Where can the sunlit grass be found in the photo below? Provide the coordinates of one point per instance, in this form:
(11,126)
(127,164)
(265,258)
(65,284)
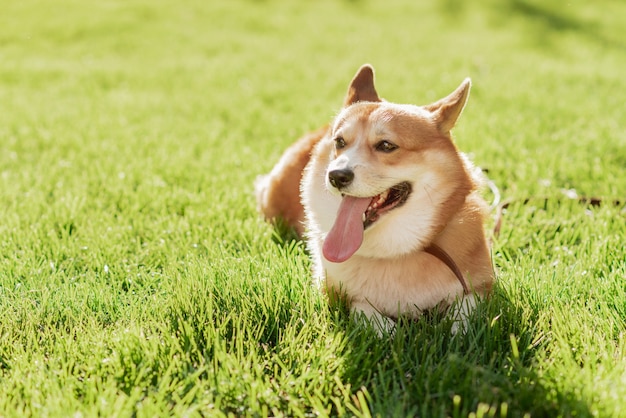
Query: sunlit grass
(137,280)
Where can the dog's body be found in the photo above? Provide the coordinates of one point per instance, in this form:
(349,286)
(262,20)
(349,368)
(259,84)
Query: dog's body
(383,185)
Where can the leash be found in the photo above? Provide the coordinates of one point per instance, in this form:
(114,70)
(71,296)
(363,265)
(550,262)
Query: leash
(583,200)
(438,252)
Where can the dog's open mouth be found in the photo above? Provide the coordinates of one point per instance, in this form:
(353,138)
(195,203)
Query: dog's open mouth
(355,214)
(387,200)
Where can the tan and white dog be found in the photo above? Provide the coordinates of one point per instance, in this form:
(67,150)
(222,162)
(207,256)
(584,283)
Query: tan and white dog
(389,207)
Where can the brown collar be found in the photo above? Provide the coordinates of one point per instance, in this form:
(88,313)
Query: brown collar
(438,252)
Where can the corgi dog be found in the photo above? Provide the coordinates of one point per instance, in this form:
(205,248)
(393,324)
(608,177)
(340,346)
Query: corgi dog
(389,207)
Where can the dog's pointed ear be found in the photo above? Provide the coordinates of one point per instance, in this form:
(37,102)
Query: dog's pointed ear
(362,87)
(447,110)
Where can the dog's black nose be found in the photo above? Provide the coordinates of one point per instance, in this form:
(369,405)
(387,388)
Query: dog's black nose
(340,178)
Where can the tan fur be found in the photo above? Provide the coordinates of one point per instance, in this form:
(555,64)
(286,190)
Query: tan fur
(278,193)
(390,274)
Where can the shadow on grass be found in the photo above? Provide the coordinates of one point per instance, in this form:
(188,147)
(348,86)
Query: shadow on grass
(548,18)
(284,234)
(553,19)
(422,370)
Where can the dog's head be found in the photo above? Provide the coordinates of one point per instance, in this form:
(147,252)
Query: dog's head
(396,169)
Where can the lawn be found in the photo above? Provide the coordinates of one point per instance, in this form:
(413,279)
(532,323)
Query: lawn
(136,278)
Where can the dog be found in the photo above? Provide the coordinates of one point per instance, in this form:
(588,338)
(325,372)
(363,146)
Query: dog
(390,209)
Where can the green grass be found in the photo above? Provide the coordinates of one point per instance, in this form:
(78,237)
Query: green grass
(137,280)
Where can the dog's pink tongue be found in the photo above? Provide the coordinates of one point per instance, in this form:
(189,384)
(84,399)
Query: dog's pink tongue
(346,235)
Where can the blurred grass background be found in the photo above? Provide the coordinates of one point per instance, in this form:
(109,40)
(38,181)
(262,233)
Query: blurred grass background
(137,280)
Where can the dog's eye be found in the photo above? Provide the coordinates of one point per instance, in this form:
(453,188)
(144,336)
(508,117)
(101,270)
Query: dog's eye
(386,146)
(340,142)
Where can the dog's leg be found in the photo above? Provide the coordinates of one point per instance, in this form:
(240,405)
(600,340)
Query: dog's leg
(364,311)
(460,312)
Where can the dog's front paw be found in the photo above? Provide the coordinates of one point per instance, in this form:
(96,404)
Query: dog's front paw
(460,311)
(366,314)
